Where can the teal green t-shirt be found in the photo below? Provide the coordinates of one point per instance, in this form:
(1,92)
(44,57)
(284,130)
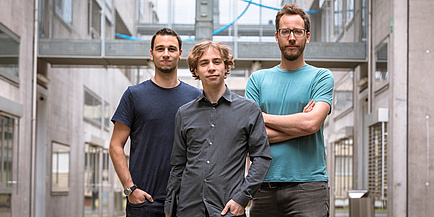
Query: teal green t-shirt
(281,92)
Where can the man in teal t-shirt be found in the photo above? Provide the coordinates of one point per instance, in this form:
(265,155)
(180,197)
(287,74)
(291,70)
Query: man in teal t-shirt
(295,99)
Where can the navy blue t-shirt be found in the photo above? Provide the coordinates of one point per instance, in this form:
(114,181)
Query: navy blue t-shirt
(149,111)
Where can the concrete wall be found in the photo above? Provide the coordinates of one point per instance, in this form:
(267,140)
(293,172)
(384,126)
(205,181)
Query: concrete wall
(17,16)
(420,90)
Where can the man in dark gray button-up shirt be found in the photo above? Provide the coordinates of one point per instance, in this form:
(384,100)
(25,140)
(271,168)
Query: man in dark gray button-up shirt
(213,135)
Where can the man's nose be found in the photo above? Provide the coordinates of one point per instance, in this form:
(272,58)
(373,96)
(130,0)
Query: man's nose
(166,52)
(211,67)
(291,36)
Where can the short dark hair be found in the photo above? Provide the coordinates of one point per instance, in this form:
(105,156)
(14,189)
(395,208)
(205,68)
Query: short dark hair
(293,9)
(166,31)
(200,48)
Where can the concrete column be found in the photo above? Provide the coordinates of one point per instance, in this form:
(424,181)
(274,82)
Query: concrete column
(398,128)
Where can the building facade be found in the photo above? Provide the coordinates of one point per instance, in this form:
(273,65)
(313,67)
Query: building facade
(55,114)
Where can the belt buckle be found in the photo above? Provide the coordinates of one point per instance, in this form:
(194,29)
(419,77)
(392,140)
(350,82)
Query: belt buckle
(271,186)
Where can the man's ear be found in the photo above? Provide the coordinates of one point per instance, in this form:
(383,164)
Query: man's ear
(276,37)
(195,73)
(151,55)
(307,38)
(180,54)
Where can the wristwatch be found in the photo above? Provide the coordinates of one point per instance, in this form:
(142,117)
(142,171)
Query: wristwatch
(128,191)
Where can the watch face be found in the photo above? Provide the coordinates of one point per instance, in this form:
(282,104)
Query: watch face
(127,191)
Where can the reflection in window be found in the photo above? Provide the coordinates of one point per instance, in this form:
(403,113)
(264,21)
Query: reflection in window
(92,182)
(9,55)
(6,161)
(63,9)
(338,29)
(92,108)
(95,20)
(350,11)
(60,168)
(343,94)
(106,114)
(381,75)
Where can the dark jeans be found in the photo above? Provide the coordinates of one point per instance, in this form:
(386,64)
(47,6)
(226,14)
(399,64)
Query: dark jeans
(291,199)
(145,209)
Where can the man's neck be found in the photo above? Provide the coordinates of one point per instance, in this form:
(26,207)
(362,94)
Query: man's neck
(166,80)
(292,65)
(213,94)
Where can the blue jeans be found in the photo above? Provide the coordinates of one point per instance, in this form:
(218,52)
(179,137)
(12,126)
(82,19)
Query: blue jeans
(304,199)
(145,209)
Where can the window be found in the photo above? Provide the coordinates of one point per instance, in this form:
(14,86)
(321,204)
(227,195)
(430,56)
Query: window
(343,94)
(350,11)
(377,164)
(338,18)
(92,108)
(95,20)
(106,115)
(343,171)
(63,9)
(6,163)
(60,168)
(105,181)
(381,75)
(9,55)
(92,180)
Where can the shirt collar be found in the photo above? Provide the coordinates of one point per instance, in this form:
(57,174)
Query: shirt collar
(227,95)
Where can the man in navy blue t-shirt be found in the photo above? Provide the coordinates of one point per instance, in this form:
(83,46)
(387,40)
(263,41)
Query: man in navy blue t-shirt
(146,114)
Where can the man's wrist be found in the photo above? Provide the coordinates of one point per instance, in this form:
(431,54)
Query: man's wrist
(129,190)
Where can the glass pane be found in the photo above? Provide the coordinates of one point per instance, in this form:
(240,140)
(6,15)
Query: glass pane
(106,114)
(92,182)
(9,55)
(64,10)
(6,151)
(343,95)
(5,205)
(60,168)
(381,72)
(92,108)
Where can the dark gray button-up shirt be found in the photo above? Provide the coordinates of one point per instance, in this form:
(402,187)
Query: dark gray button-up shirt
(209,154)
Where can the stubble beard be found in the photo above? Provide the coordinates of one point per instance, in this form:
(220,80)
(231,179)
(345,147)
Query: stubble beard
(289,55)
(166,70)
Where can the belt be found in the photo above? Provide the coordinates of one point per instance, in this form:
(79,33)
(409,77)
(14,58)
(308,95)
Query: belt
(278,184)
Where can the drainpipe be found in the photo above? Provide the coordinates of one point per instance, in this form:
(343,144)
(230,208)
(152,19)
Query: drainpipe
(33,121)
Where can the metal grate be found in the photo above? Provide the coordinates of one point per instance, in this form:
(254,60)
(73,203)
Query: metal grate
(343,167)
(377,174)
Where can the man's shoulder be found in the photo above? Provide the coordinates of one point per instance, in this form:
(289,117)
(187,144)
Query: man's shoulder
(189,87)
(318,70)
(249,103)
(262,72)
(140,86)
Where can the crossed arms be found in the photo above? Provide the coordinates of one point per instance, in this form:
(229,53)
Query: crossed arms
(284,127)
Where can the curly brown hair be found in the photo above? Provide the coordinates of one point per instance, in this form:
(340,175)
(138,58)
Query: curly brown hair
(293,9)
(200,48)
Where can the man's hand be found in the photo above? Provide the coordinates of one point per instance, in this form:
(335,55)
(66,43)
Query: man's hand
(167,214)
(309,106)
(139,196)
(233,207)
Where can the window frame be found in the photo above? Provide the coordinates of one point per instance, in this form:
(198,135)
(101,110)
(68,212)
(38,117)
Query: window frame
(60,190)
(15,38)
